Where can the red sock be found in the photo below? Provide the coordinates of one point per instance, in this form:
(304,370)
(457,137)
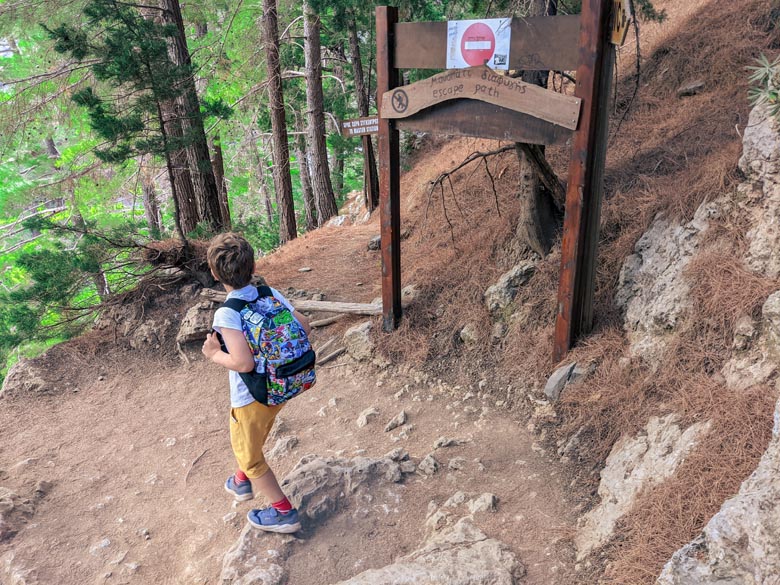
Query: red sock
(241,476)
(282,506)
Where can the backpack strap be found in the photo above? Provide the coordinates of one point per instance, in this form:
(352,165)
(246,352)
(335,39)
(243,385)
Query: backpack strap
(238,304)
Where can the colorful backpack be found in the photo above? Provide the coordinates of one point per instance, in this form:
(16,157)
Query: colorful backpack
(284,358)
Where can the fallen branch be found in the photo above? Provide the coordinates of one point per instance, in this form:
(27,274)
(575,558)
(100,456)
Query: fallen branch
(326,346)
(314,306)
(192,465)
(331,356)
(326,321)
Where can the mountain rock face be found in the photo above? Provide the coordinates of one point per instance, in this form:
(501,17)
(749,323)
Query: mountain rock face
(741,543)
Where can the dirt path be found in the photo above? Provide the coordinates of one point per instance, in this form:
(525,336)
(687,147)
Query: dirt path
(136,461)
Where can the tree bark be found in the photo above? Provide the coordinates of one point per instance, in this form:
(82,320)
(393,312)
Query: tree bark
(538,222)
(151,205)
(188,110)
(280,147)
(308,195)
(218,164)
(182,188)
(370,176)
(322,187)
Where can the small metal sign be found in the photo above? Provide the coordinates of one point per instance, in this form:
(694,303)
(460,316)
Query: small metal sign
(471,43)
(360,126)
(621,18)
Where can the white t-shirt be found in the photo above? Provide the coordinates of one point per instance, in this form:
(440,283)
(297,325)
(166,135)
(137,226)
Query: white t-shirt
(230,319)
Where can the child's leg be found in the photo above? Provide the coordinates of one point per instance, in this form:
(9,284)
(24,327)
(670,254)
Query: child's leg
(269,487)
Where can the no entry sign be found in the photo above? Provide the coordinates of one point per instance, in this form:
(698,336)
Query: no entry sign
(478,42)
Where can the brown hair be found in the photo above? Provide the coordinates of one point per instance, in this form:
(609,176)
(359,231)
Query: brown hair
(231,259)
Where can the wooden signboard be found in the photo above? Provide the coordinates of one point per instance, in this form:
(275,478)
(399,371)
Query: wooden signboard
(479,102)
(483,84)
(360,126)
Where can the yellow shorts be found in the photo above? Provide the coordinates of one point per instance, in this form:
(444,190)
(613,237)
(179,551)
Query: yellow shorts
(249,428)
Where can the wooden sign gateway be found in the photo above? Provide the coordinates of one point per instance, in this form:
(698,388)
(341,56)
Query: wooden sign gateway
(483,84)
(480,102)
(360,126)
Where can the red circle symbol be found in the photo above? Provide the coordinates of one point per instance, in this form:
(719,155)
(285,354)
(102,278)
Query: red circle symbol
(477,44)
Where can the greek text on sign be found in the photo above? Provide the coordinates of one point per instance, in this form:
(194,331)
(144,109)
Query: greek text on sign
(471,43)
(360,126)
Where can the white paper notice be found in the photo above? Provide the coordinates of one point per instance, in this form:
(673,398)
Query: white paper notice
(478,42)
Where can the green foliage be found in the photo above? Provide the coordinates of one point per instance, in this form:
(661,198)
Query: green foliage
(130,55)
(649,12)
(765,84)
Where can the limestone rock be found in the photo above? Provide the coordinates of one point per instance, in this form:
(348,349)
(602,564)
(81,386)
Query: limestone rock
(690,88)
(761,164)
(251,560)
(461,554)
(499,295)
(447,442)
(741,543)
(24,378)
(397,421)
(365,416)
(634,464)
(375,243)
(14,513)
(469,333)
(317,486)
(358,342)
(558,381)
(13,574)
(283,446)
(196,323)
(484,503)
(652,289)
(763,360)
(149,334)
(429,465)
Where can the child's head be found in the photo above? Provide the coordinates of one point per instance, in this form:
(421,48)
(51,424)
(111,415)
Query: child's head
(231,259)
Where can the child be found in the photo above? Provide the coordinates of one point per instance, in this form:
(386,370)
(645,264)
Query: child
(232,262)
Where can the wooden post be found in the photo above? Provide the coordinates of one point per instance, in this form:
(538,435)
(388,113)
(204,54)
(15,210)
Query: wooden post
(389,171)
(586,173)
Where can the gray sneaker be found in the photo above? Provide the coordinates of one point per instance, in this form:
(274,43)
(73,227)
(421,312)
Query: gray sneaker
(242,490)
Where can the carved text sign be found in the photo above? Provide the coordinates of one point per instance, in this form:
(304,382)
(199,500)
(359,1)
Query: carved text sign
(483,84)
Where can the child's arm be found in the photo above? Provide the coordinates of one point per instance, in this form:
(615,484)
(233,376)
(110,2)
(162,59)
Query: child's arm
(303,321)
(240,358)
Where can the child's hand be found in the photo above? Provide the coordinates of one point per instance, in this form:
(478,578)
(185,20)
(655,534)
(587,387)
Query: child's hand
(211,345)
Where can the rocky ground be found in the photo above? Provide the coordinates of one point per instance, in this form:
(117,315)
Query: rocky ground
(116,478)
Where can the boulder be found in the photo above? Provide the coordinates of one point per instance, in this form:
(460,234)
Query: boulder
(739,545)
(635,463)
(283,446)
(562,377)
(397,421)
(15,512)
(375,243)
(499,295)
(196,323)
(358,342)
(24,378)
(469,333)
(461,554)
(318,487)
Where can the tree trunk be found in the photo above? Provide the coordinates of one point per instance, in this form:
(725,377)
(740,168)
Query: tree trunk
(538,222)
(182,188)
(218,164)
(370,176)
(151,205)
(281,152)
(188,109)
(308,195)
(261,170)
(320,172)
